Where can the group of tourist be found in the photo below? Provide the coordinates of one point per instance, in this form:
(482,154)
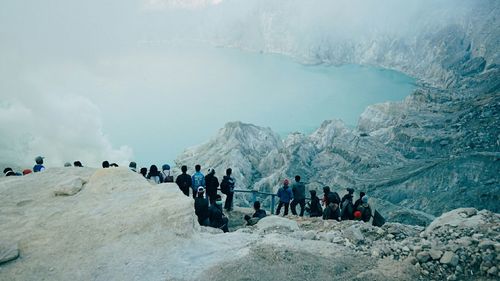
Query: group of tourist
(208,202)
(334,207)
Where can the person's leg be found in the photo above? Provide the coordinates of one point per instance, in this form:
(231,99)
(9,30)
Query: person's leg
(225,227)
(286,209)
(186,191)
(229,201)
(194,193)
(280,204)
(302,207)
(293,206)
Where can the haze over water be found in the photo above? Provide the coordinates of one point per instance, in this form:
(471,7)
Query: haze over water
(182,95)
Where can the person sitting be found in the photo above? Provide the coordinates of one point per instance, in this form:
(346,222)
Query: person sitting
(314,207)
(39,165)
(331,211)
(105,164)
(201,208)
(8,172)
(154,175)
(77,164)
(365,209)
(216,216)
(259,214)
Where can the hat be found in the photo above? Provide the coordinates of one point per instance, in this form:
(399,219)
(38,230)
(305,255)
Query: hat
(286,182)
(211,170)
(132,165)
(39,159)
(365,199)
(201,189)
(165,167)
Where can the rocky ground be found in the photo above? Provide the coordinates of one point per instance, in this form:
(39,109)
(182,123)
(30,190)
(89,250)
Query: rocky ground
(111,224)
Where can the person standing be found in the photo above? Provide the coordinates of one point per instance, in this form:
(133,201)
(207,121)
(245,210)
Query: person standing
(154,175)
(198,179)
(184,181)
(212,183)
(39,165)
(227,187)
(299,196)
(285,195)
(166,173)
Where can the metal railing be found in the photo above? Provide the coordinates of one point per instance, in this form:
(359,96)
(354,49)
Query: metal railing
(255,193)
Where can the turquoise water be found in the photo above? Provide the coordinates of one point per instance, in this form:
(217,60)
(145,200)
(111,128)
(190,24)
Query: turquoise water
(181,97)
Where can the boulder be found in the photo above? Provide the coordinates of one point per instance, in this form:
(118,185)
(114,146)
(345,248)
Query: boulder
(435,254)
(69,187)
(423,257)
(353,234)
(8,251)
(449,258)
(271,223)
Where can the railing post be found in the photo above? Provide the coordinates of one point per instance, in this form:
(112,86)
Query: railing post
(254,196)
(272,204)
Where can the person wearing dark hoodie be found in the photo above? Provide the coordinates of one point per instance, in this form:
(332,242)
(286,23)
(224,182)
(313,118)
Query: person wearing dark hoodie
(39,165)
(184,181)
(326,192)
(212,183)
(285,195)
(201,207)
(332,211)
(299,196)
(8,172)
(216,216)
(365,209)
(154,175)
(347,206)
(227,187)
(315,209)
(259,214)
(144,171)
(359,201)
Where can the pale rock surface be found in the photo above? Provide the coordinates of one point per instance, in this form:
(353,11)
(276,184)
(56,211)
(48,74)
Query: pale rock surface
(8,251)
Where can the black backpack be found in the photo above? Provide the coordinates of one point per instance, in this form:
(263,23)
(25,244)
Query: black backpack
(347,210)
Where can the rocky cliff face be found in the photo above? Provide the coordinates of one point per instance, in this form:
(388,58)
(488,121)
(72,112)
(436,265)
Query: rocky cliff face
(437,150)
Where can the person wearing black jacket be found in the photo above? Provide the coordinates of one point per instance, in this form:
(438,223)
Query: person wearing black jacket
(212,183)
(227,187)
(359,201)
(201,207)
(315,209)
(216,216)
(184,181)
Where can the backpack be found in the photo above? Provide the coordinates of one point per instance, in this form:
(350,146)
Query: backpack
(225,186)
(365,212)
(168,179)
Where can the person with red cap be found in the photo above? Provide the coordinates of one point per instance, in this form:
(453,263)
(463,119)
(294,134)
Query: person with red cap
(285,195)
